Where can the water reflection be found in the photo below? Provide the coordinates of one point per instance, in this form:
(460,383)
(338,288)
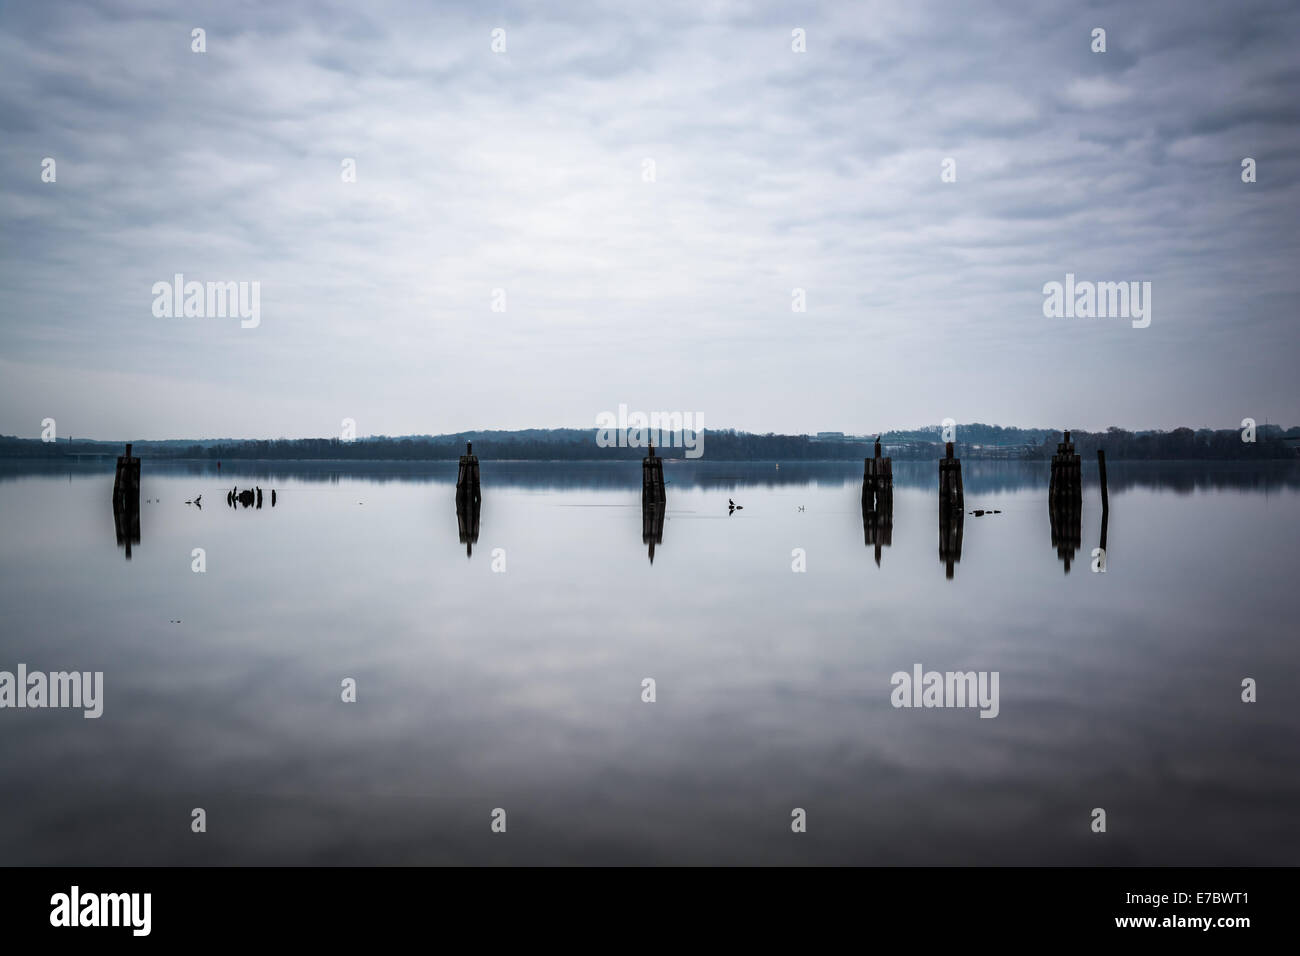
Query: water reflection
(126,521)
(248,498)
(1067,530)
(468,508)
(652,524)
(520,689)
(878,529)
(979,476)
(951,525)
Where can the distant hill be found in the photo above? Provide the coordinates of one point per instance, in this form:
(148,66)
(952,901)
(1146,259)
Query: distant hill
(579,444)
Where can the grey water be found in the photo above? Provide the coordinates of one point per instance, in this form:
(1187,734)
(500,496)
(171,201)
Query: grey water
(507,672)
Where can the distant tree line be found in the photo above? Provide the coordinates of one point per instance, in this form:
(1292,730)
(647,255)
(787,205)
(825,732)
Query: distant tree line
(1181,443)
(573,444)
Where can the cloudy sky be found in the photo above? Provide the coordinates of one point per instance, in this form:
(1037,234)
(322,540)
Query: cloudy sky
(525,171)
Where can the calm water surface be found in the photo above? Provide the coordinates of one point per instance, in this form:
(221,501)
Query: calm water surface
(522,689)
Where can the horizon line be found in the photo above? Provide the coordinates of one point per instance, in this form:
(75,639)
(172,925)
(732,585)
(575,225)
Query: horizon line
(845,436)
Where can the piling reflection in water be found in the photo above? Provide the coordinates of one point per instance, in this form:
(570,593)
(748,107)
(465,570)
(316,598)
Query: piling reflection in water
(126,519)
(248,498)
(652,524)
(951,526)
(467,515)
(1067,533)
(878,529)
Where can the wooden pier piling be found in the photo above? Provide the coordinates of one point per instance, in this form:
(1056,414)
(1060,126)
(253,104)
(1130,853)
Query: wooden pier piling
(126,501)
(877,481)
(1066,483)
(126,482)
(1101,477)
(951,492)
(952,510)
(467,483)
(652,478)
(1065,501)
(878,501)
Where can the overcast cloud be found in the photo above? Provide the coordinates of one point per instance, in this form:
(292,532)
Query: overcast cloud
(523,171)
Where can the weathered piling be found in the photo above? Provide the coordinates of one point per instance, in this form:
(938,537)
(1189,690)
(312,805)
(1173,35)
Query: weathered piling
(1065,501)
(467,483)
(1066,483)
(126,501)
(1101,477)
(877,481)
(952,509)
(652,478)
(877,501)
(652,524)
(951,492)
(126,482)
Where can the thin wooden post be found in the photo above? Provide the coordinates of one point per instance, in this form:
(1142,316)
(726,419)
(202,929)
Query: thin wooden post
(1105,496)
(126,500)
(1101,472)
